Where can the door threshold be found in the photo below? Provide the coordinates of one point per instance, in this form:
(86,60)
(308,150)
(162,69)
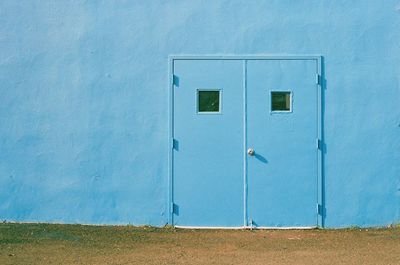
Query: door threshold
(247,227)
(284,227)
(211,227)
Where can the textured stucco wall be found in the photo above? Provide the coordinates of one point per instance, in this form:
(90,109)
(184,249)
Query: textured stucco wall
(84,100)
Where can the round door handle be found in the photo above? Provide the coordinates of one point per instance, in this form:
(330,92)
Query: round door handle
(250,151)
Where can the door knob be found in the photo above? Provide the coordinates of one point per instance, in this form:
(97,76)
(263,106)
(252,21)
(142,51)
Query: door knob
(250,151)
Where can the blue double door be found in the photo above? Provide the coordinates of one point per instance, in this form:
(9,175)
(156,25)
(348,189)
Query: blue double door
(245,135)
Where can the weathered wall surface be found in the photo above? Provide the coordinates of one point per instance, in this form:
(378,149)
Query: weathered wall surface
(84,100)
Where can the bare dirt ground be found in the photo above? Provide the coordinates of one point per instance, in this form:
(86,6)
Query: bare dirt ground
(77,244)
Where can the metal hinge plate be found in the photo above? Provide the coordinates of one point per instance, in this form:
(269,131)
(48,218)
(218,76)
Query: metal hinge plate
(175,144)
(318,144)
(319,209)
(318,79)
(175,209)
(175,80)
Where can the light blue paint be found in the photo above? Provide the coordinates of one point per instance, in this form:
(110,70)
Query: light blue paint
(85,87)
(281,180)
(208,164)
(283,173)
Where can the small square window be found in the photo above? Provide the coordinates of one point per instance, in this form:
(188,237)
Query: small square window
(281,101)
(208,100)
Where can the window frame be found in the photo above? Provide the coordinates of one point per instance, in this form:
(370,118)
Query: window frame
(281,111)
(198,101)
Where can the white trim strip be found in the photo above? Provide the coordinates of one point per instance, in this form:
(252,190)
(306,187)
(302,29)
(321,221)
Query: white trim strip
(245,57)
(247,227)
(286,228)
(211,227)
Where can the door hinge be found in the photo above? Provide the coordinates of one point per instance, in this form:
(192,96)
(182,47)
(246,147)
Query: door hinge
(175,209)
(319,209)
(318,144)
(318,79)
(175,144)
(175,80)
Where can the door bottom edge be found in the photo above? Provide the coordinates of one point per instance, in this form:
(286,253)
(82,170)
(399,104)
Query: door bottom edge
(248,227)
(210,227)
(285,227)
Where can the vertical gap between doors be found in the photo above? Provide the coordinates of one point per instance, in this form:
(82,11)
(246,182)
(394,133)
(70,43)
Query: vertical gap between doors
(245,210)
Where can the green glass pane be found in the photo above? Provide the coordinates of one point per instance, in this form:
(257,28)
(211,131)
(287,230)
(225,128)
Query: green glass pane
(208,101)
(280,101)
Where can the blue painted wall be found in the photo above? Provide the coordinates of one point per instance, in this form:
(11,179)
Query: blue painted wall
(84,100)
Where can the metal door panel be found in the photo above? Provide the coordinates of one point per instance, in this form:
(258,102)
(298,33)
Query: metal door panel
(282,175)
(208,156)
